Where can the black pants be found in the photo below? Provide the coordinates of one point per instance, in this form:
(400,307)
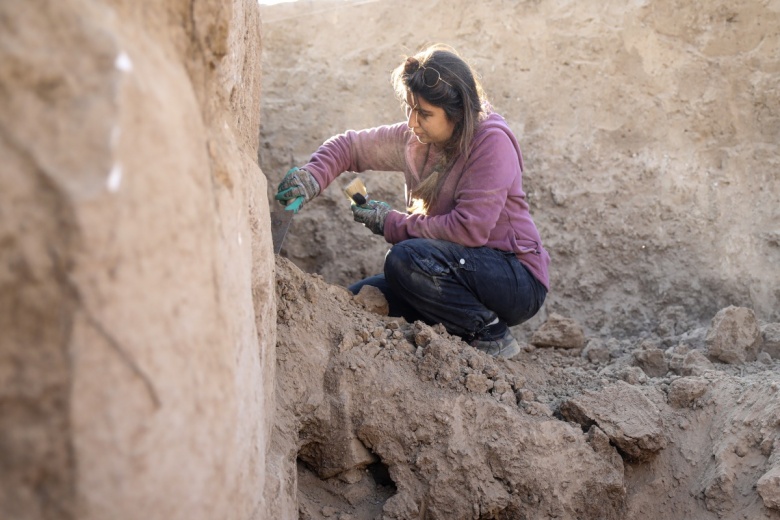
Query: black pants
(463,288)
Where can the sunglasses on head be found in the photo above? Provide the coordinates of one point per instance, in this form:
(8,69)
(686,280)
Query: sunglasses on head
(430,76)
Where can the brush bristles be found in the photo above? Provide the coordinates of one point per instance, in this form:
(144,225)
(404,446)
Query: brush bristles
(356,191)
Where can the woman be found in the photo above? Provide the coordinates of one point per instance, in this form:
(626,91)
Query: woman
(466,252)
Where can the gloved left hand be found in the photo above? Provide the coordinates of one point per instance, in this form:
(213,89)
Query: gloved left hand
(297,188)
(372,214)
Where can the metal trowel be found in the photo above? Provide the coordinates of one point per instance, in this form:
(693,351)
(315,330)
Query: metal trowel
(280,222)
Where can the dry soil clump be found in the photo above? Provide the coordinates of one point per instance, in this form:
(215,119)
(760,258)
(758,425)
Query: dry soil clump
(397,420)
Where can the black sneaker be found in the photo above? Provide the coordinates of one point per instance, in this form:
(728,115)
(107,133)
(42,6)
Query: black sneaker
(502,347)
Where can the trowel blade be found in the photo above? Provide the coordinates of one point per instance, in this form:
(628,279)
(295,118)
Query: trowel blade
(280,223)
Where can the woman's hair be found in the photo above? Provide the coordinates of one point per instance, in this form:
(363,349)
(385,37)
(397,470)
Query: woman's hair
(453,86)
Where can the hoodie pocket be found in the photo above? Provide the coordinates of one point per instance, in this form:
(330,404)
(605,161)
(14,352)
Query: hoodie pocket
(524,246)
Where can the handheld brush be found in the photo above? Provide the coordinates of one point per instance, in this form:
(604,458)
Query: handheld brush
(356,191)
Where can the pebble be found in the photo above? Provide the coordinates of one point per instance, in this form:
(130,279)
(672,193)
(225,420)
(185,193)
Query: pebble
(526,395)
(741,450)
(476,363)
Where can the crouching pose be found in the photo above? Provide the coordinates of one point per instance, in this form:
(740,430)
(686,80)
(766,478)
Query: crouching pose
(465,252)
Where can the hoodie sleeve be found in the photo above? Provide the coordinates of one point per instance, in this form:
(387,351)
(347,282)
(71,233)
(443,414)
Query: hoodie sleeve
(380,148)
(478,200)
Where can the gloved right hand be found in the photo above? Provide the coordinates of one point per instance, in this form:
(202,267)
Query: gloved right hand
(372,214)
(297,188)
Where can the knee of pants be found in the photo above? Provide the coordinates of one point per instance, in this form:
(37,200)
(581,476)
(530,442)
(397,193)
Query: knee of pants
(398,264)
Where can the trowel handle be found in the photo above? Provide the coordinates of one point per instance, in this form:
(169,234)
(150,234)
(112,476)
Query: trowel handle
(295,205)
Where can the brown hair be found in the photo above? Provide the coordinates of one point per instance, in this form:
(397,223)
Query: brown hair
(459,93)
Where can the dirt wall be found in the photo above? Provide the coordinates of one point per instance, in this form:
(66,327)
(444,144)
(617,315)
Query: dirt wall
(649,129)
(136,281)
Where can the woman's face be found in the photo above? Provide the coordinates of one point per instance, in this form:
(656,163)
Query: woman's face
(429,123)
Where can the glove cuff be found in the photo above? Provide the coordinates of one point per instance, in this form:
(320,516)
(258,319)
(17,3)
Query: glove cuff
(310,184)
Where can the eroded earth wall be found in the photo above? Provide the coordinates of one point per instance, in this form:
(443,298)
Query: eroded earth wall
(137,315)
(649,129)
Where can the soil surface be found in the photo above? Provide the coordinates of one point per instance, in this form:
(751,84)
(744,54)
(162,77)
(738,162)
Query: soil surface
(400,420)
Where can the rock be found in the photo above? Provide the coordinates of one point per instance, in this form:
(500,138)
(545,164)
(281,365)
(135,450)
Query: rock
(768,488)
(600,443)
(684,391)
(596,352)
(616,348)
(765,358)
(676,357)
(686,362)
(507,398)
(353,455)
(538,409)
(770,334)
(630,420)
(373,300)
(651,361)
(694,338)
(501,387)
(400,506)
(352,476)
(477,383)
(440,361)
(423,334)
(632,375)
(525,395)
(695,363)
(734,336)
(559,331)
(477,363)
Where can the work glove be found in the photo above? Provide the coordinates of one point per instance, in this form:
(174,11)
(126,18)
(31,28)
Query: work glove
(297,188)
(372,214)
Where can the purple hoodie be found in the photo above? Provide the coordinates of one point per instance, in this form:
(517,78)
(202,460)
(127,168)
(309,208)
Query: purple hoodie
(481,203)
